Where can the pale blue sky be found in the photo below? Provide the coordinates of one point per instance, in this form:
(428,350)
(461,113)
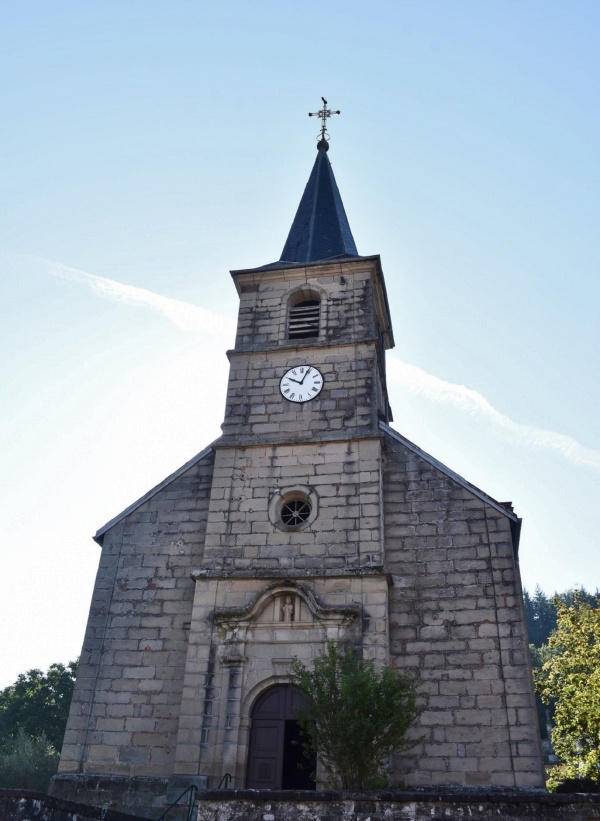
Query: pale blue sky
(160,144)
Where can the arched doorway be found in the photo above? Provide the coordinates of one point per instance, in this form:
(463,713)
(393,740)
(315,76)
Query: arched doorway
(276,759)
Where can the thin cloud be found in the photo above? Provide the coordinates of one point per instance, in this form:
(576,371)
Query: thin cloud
(473,403)
(191,318)
(187,317)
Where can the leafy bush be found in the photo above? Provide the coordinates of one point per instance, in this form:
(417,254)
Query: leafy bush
(27,762)
(354,717)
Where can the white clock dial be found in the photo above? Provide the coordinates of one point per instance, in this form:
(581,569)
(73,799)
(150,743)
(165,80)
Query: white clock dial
(301,384)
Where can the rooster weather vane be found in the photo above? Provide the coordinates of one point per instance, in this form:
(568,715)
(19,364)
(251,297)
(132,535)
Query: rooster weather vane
(324,114)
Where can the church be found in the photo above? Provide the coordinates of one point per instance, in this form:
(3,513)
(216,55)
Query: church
(310,518)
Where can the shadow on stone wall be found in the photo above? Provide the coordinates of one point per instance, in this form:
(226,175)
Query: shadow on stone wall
(22,805)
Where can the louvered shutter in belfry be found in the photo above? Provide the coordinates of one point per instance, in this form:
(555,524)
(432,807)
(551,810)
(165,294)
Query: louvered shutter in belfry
(303,320)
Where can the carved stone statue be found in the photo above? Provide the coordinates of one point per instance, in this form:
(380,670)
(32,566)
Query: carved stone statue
(287,610)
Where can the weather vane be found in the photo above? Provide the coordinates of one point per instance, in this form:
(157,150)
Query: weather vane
(324,114)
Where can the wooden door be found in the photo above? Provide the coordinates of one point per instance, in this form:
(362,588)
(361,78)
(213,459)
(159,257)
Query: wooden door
(275,758)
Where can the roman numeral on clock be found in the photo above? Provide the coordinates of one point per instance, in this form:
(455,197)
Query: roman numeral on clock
(301,383)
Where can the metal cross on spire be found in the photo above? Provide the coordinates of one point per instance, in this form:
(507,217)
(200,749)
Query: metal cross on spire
(324,114)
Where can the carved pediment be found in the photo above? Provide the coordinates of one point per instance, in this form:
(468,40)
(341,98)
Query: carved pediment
(285,605)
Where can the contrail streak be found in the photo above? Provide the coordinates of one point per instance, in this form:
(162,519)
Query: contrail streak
(471,402)
(184,315)
(192,318)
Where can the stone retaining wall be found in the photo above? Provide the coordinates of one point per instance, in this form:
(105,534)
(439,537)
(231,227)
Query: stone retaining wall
(23,805)
(142,796)
(251,805)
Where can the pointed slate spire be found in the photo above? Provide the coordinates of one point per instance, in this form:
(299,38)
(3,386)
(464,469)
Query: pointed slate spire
(320,229)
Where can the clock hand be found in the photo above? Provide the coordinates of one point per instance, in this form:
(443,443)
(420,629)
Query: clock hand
(299,381)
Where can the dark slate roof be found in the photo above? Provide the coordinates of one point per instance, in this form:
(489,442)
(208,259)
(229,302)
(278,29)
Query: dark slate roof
(320,230)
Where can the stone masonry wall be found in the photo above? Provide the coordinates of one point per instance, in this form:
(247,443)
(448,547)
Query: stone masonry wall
(125,709)
(456,620)
(25,805)
(347,308)
(345,478)
(346,406)
(239,646)
(247,553)
(250,805)
(347,352)
(398,555)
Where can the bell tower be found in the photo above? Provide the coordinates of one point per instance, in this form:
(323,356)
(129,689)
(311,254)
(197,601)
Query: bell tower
(320,307)
(296,505)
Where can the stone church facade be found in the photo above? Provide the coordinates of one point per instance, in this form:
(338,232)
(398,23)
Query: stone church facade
(309,519)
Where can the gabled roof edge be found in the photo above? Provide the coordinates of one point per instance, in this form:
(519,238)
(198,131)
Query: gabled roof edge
(450,473)
(98,536)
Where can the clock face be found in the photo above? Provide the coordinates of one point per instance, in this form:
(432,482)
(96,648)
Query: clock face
(301,384)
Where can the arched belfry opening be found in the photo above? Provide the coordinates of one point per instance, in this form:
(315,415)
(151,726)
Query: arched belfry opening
(304,315)
(276,757)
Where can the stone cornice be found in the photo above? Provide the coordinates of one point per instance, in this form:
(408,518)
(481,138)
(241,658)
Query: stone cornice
(290,574)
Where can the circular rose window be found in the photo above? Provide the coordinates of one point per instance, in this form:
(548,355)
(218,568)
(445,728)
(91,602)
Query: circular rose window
(295,513)
(293,508)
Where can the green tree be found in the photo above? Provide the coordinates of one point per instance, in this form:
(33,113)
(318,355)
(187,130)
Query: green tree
(570,679)
(541,610)
(579,593)
(539,656)
(540,613)
(27,762)
(354,717)
(38,703)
